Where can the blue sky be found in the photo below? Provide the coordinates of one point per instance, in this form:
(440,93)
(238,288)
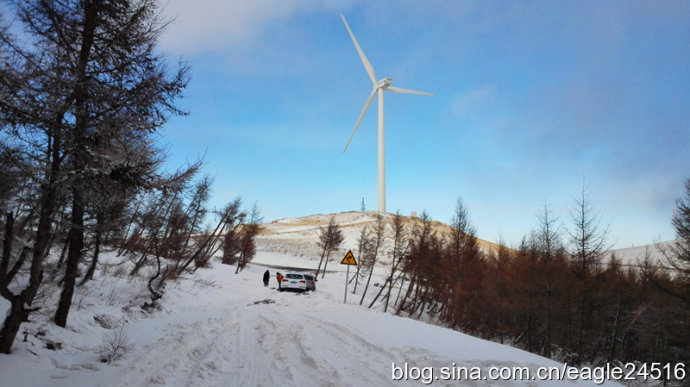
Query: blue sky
(531,100)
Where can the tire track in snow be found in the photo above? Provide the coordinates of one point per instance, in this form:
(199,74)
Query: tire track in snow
(357,361)
(274,350)
(179,357)
(256,349)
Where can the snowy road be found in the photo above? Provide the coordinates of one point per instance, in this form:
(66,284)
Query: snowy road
(261,337)
(222,329)
(260,345)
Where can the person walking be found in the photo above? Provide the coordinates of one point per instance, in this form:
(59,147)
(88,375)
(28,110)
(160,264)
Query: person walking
(279,277)
(267,276)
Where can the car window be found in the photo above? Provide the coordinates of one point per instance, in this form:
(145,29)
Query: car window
(295,276)
(309,277)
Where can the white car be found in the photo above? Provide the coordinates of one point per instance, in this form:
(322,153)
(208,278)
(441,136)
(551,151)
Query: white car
(294,281)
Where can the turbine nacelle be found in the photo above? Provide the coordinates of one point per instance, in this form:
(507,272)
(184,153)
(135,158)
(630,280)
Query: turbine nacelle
(384,83)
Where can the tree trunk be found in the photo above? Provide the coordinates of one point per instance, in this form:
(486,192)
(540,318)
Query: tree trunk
(401,306)
(63,252)
(390,285)
(76,232)
(155,294)
(328,257)
(18,313)
(547,339)
(356,277)
(74,256)
(6,250)
(402,284)
(318,269)
(366,287)
(614,333)
(96,249)
(10,327)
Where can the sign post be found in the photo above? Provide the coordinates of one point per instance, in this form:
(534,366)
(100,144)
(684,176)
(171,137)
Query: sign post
(348,260)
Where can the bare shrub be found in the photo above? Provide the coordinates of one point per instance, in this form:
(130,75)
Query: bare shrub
(114,346)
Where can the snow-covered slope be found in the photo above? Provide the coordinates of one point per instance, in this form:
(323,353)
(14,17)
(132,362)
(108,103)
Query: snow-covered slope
(634,256)
(299,236)
(220,329)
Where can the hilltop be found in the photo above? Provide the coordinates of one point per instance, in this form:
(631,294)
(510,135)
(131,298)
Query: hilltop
(299,236)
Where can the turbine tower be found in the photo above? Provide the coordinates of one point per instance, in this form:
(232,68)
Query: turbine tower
(379,87)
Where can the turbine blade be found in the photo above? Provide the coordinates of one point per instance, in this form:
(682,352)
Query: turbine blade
(406,91)
(365,61)
(361,115)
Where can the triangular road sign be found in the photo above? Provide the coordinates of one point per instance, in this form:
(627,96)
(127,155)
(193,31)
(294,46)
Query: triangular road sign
(349,259)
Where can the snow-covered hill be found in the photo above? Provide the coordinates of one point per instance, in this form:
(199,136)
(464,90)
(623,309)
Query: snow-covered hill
(635,256)
(299,236)
(216,328)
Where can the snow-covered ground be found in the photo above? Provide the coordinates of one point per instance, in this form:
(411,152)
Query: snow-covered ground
(216,328)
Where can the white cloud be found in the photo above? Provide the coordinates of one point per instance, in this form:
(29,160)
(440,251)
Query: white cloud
(215,25)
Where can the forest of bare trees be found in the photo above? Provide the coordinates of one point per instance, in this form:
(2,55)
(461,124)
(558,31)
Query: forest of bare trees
(556,294)
(83,94)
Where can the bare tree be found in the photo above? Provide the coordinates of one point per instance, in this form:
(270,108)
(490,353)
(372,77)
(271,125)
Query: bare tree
(461,272)
(398,251)
(677,253)
(549,245)
(681,247)
(232,241)
(417,264)
(379,234)
(231,216)
(248,233)
(400,248)
(116,97)
(329,240)
(503,259)
(363,243)
(588,241)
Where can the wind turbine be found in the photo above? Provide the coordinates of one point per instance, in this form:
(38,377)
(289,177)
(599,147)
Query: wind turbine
(379,87)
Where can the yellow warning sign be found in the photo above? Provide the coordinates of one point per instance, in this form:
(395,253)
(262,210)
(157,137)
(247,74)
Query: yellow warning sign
(349,259)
